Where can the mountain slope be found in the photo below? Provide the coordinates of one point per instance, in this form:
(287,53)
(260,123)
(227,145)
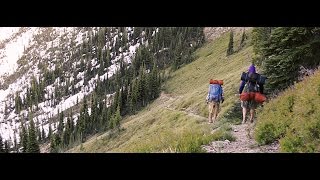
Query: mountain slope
(293,118)
(76,82)
(177,121)
(50,70)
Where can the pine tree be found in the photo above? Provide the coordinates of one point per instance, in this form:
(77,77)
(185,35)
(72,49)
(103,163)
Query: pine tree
(61,124)
(260,37)
(66,133)
(287,50)
(107,58)
(243,38)
(124,38)
(6,146)
(1,145)
(230,46)
(50,132)
(43,134)
(135,94)
(116,119)
(155,86)
(84,117)
(39,134)
(15,144)
(72,128)
(130,100)
(55,143)
(71,121)
(24,138)
(82,65)
(18,103)
(33,144)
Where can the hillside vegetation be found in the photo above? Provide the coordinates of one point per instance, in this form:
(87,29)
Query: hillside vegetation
(293,118)
(177,120)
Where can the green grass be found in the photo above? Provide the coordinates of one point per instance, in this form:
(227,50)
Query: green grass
(293,118)
(177,121)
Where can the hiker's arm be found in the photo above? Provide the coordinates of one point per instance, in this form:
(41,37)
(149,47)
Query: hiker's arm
(241,87)
(222,95)
(207,98)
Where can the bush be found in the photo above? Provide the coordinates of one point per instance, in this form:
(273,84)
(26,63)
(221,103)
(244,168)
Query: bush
(266,133)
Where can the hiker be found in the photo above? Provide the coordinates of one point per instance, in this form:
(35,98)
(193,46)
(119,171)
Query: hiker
(250,85)
(214,97)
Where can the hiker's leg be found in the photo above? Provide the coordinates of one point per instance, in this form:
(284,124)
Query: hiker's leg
(244,113)
(210,112)
(253,106)
(216,110)
(251,115)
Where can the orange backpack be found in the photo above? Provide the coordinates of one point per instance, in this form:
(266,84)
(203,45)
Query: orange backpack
(216,81)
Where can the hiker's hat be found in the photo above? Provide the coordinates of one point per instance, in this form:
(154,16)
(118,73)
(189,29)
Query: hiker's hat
(252,69)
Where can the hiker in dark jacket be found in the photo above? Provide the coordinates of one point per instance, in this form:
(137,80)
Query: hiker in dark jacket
(250,104)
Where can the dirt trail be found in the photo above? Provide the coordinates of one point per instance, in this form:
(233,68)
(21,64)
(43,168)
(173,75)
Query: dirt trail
(243,133)
(244,142)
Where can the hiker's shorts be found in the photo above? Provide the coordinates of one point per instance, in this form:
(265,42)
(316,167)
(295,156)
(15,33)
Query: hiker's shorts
(213,107)
(249,104)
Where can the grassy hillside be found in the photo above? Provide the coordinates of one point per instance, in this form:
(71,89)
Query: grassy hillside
(177,121)
(293,118)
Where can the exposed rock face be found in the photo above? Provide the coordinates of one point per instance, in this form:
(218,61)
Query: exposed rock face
(213,32)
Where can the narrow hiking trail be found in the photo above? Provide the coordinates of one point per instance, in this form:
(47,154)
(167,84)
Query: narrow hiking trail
(244,142)
(243,133)
(189,113)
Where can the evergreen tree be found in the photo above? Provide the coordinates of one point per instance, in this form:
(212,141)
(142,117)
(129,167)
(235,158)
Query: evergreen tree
(33,145)
(15,145)
(107,58)
(230,46)
(243,38)
(18,103)
(288,49)
(24,138)
(116,119)
(6,146)
(135,94)
(61,124)
(50,132)
(55,143)
(124,38)
(43,134)
(39,134)
(155,86)
(130,100)
(260,39)
(66,133)
(84,117)
(1,145)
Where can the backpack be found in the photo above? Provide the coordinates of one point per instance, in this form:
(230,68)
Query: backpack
(253,77)
(251,80)
(215,92)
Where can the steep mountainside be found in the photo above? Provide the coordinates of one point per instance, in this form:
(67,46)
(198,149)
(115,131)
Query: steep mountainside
(177,121)
(58,76)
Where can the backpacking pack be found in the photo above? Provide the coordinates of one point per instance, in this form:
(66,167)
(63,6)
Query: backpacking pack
(215,92)
(253,77)
(251,87)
